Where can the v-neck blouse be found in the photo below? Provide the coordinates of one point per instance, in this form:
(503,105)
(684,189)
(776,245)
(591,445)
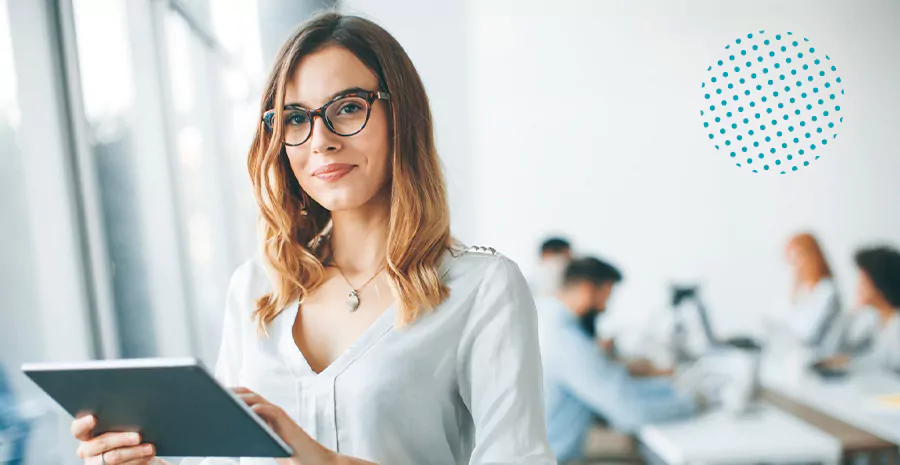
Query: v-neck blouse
(460,385)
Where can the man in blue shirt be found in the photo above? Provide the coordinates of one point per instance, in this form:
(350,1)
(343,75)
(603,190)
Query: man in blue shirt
(580,380)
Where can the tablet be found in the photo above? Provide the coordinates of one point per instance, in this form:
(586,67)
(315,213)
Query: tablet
(174,403)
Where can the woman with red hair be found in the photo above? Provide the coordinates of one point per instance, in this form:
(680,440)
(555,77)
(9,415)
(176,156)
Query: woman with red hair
(814,299)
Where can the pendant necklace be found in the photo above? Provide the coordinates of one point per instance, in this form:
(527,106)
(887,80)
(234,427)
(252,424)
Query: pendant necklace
(353,297)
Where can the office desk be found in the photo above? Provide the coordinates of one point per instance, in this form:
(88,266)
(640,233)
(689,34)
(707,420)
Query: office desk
(855,400)
(854,441)
(767,435)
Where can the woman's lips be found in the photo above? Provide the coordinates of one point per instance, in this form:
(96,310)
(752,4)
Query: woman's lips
(333,171)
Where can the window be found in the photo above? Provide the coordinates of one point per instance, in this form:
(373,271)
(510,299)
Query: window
(169,124)
(16,267)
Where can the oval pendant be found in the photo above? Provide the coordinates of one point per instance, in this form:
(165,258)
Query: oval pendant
(353,301)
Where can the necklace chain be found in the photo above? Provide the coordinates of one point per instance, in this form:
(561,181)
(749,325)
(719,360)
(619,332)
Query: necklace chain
(357,289)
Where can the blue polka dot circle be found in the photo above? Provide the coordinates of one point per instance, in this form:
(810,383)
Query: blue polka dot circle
(772,102)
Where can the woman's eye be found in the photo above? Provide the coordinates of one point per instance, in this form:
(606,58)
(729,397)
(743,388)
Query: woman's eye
(349,108)
(296,119)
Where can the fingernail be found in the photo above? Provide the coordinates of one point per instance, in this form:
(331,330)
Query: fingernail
(148,449)
(134,437)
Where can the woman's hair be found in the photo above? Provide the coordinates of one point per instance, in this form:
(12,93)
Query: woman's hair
(882,266)
(294,227)
(813,267)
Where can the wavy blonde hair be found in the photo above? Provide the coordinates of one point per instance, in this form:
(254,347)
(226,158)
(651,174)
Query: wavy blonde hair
(293,234)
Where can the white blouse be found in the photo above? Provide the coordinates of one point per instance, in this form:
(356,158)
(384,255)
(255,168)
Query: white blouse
(809,319)
(879,349)
(461,385)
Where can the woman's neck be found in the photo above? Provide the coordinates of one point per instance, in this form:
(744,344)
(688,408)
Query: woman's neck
(803,286)
(885,312)
(809,281)
(359,236)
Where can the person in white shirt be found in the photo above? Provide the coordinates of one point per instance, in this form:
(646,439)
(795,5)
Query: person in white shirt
(556,254)
(871,337)
(364,333)
(815,304)
(867,342)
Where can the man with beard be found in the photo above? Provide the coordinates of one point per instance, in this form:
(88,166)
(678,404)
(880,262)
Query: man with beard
(581,380)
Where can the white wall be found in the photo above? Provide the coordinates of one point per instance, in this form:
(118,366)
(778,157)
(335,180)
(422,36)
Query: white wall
(584,121)
(587,123)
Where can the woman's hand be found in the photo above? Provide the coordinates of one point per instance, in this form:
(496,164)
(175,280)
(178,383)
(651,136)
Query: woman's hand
(644,368)
(306,450)
(835,363)
(111,448)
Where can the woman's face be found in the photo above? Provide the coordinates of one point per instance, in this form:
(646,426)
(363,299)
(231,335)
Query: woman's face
(794,256)
(867,294)
(340,173)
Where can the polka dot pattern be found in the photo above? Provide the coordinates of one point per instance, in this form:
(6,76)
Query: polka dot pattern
(782,116)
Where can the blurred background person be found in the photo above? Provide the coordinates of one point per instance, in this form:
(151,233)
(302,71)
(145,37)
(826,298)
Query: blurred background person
(814,301)
(580,379)
(870,336)
(555,255)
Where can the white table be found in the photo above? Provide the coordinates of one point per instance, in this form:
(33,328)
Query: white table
(855,400)
(765,436)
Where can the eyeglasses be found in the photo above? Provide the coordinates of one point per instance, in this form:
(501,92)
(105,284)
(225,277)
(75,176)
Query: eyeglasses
(344,115)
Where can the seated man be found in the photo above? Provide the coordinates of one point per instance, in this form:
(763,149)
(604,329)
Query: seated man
(580,380)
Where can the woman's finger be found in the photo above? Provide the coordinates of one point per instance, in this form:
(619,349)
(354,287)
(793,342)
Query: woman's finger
(81,427)
(107,442)
(252,399)
(249,397)
(283,425)
(141,454)
(148,461)
(273,415)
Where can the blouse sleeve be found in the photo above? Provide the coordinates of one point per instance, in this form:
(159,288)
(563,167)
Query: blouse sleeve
(499,368)
(228,365)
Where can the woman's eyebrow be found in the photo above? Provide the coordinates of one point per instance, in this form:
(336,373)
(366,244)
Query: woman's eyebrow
(339,93)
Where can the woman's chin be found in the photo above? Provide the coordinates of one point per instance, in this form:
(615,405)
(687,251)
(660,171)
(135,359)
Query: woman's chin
(342,200)
(340,205)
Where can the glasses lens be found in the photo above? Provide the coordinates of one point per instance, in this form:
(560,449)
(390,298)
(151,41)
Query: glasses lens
(296,126)
(348,115)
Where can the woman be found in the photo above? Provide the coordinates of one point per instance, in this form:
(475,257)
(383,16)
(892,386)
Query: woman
(870,339)
(814,299)
(365,334)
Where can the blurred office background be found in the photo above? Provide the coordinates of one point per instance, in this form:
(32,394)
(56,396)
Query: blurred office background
(124,127)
